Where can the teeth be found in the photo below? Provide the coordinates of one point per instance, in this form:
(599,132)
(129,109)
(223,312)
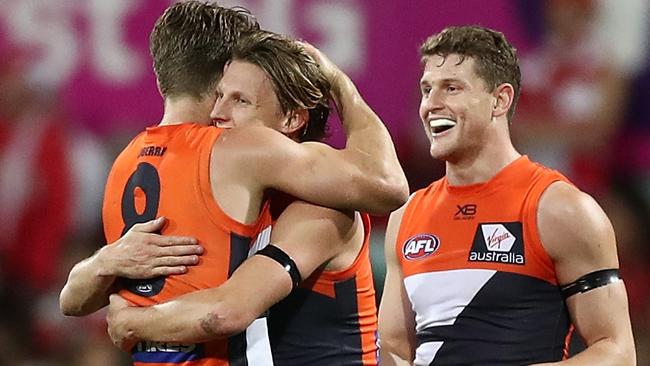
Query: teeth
(441,122)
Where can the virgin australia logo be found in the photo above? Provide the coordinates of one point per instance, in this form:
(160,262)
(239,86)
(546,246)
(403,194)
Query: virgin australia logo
(499,243)
(497,238)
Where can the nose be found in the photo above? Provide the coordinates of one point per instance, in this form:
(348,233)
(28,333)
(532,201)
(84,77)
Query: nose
(220,115)
(431,103)
(435,99)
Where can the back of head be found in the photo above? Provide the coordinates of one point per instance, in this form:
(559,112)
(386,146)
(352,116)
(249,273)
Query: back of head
(190,44)
(297,79)
(495,59)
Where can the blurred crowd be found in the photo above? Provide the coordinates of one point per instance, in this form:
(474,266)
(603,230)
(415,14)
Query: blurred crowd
(584,110)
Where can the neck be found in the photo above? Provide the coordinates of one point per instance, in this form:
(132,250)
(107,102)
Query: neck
(187,110)
(495,154)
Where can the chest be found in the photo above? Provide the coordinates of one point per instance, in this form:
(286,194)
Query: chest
(459,233)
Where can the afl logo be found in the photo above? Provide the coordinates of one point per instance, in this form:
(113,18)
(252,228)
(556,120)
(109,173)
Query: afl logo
(420,246)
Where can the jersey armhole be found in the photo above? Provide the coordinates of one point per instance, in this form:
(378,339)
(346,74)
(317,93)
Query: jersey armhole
(204,187)
(531,207)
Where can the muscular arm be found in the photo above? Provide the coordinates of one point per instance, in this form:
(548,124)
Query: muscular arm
(580,239)
(311,235)
(138,254)
(396,318)
(365,175)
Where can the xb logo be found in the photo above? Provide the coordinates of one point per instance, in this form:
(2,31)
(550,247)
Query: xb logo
(465,212)
(420,246)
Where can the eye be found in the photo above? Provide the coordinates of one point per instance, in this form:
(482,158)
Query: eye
(452,88)
(241,100)
(425,90)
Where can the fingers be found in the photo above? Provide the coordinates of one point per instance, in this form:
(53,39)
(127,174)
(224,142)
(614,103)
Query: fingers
(168,271)
(309,48)
(176,261)
(161,261)
(117,301)
(150,226)
(144,254)
(172,261)
(111,334)
(153,226)
(329,69)
(176,250)
(115,329)
(314,52)
(169,241)
(170,264)
(161,267)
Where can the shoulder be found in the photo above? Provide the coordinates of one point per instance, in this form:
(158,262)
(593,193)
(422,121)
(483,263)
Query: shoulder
(575,230)
(254,143)
(251,136)
(128,153)
(269,150)
(562,204)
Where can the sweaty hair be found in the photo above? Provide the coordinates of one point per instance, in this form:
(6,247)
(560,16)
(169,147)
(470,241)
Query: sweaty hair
(495,59)
(297,79)
(190,44)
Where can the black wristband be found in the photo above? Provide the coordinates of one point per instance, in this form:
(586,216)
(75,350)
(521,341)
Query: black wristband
(284,260)
(591,281)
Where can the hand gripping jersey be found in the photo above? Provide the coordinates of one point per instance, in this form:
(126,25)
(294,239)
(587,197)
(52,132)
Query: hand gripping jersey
(331,319)
(164,171)
(482,287)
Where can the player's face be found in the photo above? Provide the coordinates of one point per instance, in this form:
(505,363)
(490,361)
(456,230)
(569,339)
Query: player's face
(245,96)
(455,108)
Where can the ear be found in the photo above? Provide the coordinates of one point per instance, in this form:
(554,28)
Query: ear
(294,122)
(503,98)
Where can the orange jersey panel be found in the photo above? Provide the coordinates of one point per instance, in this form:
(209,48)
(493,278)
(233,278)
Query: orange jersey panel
(456,216)
(477,274)
(164,171)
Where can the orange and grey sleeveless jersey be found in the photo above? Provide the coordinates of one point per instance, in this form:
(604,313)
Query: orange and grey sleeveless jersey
(330,319)
(164,171)
(482,286)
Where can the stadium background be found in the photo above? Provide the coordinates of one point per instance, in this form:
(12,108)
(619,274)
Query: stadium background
(76,84)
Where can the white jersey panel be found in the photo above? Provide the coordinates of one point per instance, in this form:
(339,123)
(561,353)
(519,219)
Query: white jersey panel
(438,297)
(258,351)
(426,352)
(261,241)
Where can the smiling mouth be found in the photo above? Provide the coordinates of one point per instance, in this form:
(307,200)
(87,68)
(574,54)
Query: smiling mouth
(441,125)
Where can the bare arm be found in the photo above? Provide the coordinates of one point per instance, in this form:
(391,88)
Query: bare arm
(366,175)
(580,239)
(396,318)
(369,144)
(311,235)
(138,254)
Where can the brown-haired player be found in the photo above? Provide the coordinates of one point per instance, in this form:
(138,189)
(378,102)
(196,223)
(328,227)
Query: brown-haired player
(330,248)
(499,261)
(212,183)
